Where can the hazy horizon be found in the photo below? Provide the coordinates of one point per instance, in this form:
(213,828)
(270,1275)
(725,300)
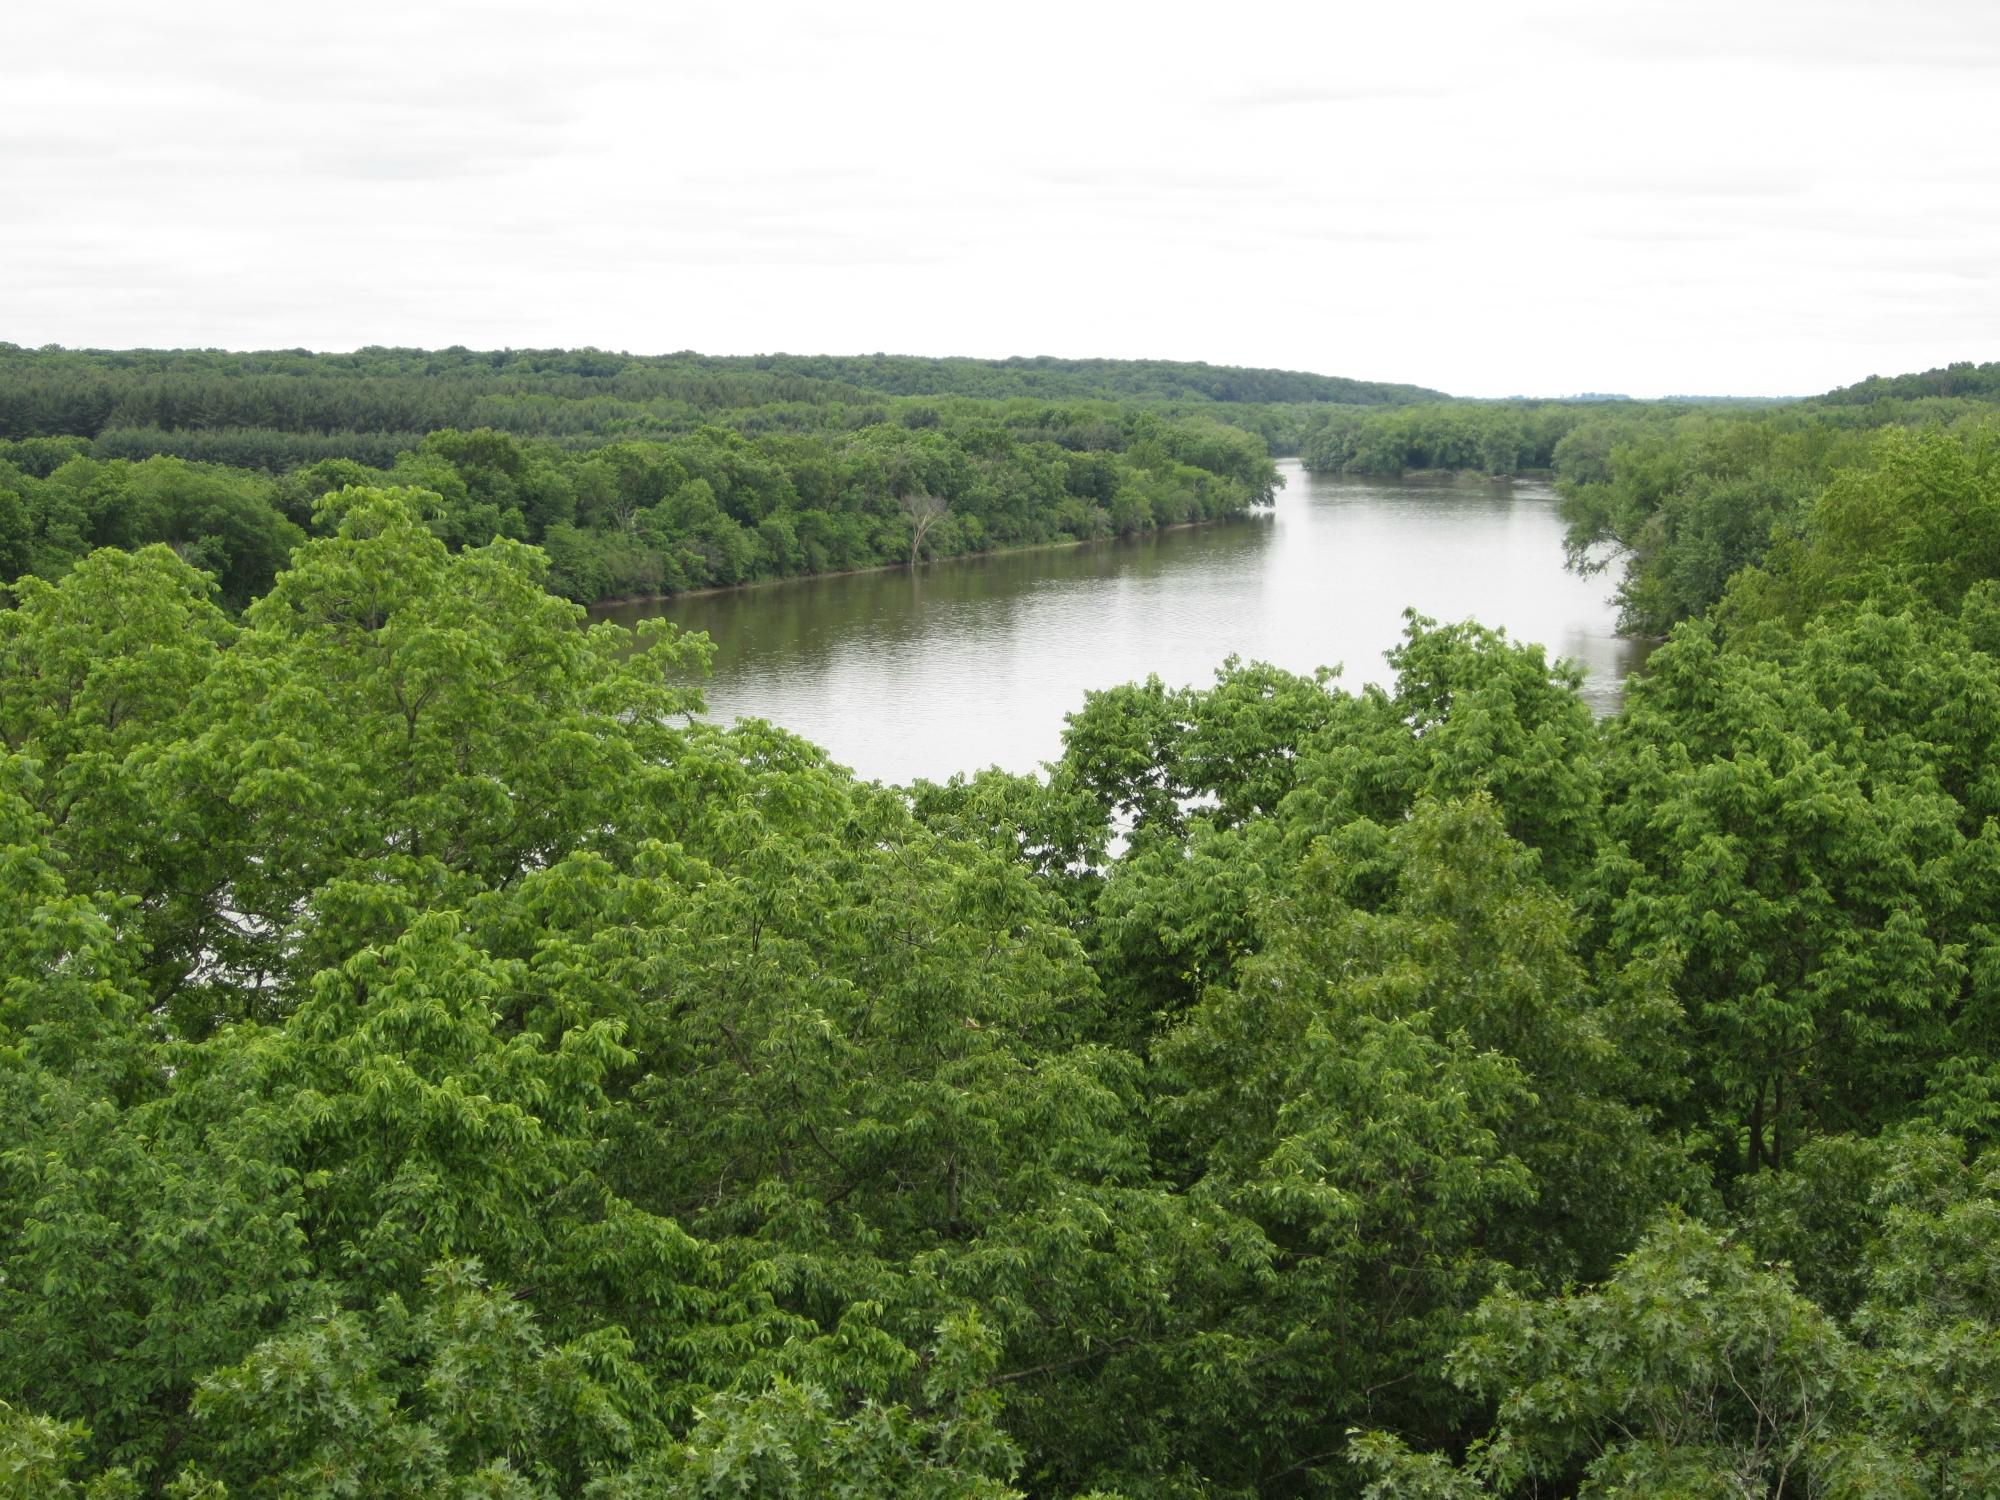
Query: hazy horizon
(1546,197)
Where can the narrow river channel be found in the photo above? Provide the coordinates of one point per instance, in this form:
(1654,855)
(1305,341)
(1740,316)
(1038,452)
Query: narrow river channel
(974,662)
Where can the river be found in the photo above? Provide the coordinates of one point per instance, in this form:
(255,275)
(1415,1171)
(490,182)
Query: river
(973,662)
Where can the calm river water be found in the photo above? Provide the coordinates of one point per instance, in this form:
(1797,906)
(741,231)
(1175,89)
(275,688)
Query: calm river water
(974,662)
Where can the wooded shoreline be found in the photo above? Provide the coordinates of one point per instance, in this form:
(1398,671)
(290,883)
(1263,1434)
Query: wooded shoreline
(903,567)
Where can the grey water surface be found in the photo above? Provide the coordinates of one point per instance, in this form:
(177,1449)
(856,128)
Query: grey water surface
(973,662)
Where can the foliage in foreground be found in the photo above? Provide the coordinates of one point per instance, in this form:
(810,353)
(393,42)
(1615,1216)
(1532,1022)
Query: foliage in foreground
(432,1063)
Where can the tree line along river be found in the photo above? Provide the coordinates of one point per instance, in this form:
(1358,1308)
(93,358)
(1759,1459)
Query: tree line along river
(973,662)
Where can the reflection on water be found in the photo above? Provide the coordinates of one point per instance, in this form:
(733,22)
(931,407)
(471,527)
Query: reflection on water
(974,662)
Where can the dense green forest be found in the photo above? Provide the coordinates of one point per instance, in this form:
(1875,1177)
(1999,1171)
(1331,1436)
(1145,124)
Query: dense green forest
(279,409)
(1962,379)
(436,1063)
(1498,438)
(626,517)
(1685,500)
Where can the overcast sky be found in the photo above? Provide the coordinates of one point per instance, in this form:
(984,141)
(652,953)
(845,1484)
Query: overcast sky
(1490,197)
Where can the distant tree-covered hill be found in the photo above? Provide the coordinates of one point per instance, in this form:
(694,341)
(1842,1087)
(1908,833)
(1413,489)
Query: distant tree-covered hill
(1963,378)
(576,394)
(1131,379)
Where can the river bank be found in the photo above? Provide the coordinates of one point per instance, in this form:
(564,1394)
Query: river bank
(631,601)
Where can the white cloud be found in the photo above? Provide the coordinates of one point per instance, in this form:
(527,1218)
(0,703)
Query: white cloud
(1489,198)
